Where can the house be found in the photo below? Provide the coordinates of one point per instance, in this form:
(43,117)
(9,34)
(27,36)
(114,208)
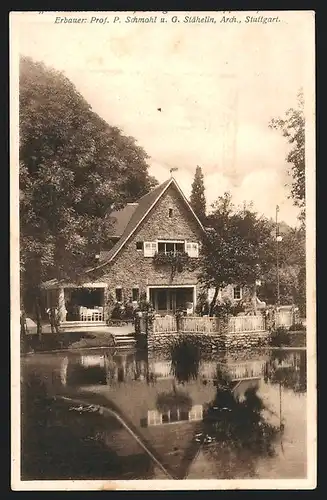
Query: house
(151,252)
(154,250)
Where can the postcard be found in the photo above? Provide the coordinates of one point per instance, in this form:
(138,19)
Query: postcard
(163,289)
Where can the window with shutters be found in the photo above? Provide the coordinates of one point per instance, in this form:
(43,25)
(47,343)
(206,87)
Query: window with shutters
(150,248)
(192,249)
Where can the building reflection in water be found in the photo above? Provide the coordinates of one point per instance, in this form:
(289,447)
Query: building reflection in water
(285,367)
(179,417)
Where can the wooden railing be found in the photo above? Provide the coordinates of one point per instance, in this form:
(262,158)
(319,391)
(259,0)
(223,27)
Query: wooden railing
(240,324)
(200,325)
(166,324)
(194,324)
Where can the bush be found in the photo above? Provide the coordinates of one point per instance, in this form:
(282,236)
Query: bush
(123,311)
(296,327)
(279,337)
(117,312)
(226,308)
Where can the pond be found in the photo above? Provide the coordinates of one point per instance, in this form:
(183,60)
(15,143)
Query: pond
(182,416)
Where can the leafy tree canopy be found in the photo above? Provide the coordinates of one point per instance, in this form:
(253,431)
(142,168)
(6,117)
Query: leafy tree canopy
(292,127)
(238,248)
(74,170)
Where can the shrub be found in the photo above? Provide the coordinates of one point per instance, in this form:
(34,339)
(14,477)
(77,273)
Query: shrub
(296,327)
(226,308)
(279,337)
(129,311)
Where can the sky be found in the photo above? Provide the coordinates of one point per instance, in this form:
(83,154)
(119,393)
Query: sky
(217,86)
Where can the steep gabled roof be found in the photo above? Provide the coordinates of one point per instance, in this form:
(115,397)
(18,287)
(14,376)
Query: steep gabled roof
(121,218)
(144,206)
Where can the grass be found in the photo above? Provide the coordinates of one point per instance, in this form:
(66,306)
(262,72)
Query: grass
(69,340)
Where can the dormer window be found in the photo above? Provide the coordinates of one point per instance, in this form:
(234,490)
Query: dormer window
(139,245)
(170,213)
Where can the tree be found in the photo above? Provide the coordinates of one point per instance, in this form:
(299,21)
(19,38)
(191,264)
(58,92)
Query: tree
(74,169)
(292,127)
(238,248)
(291,271)
(197,200)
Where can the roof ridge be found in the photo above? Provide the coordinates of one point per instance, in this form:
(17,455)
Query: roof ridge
(157,188)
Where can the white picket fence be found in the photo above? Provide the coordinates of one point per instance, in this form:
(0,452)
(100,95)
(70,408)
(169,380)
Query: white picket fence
(200,325)
(239,324)
(194,324)
(166,324)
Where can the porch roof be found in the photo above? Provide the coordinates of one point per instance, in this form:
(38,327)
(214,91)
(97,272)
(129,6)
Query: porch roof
(54,284)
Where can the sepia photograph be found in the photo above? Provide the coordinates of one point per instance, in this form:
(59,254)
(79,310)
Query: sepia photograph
(162,233)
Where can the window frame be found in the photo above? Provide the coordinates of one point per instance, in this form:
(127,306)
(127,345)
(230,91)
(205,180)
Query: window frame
(138,293)
(119,288)
(240,292)
(172,242)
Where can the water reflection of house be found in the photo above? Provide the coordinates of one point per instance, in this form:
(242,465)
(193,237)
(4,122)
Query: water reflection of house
(122,382)
(288,369)
(290,360)
(176,415)
(208,369)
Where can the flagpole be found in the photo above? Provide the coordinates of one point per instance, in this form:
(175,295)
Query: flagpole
(277,254)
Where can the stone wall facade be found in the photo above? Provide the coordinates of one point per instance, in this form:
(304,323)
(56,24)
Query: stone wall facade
(131,269)
(227,293)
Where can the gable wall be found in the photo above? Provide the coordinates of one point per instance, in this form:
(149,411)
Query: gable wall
(130,268)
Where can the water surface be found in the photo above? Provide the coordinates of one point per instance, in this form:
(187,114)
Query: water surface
(190,418)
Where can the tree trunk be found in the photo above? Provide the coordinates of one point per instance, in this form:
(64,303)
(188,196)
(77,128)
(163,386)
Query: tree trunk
(254,299)
(38,313)
(23,332)
(213,302)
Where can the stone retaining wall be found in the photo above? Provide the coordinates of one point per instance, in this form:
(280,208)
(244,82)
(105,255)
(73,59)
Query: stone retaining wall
(163,341)
(226,341)
(246,340)
(221,341)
